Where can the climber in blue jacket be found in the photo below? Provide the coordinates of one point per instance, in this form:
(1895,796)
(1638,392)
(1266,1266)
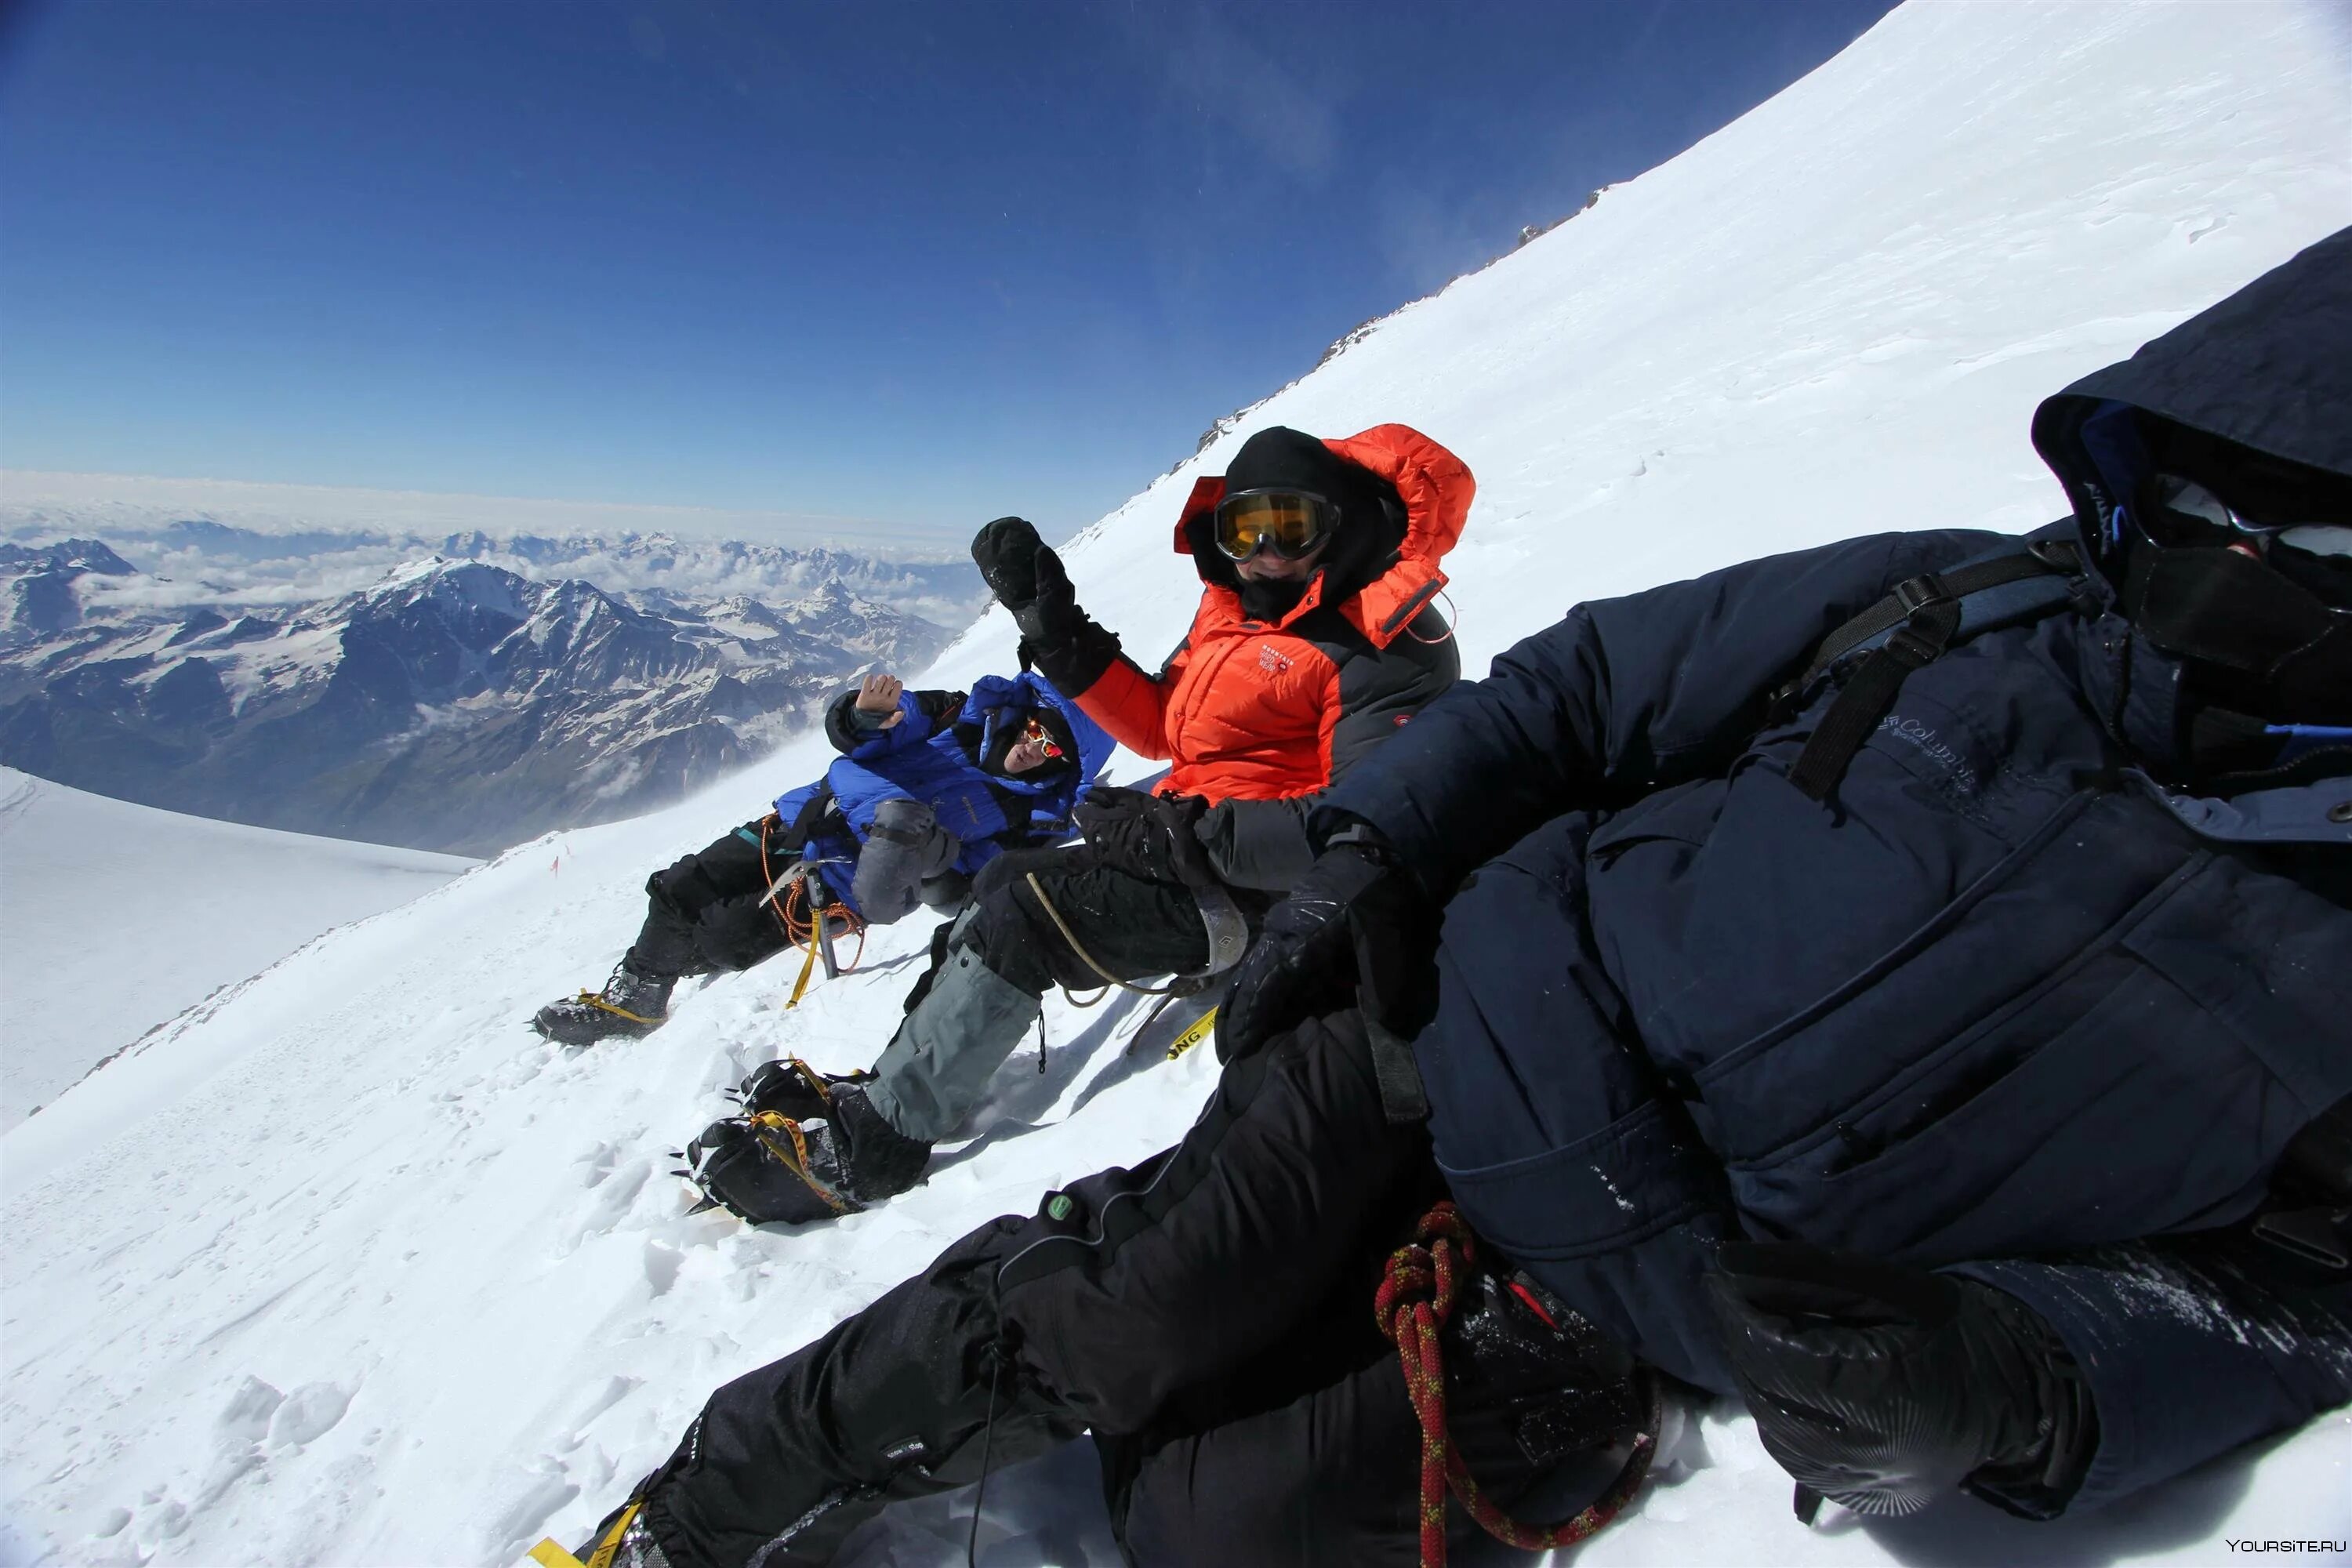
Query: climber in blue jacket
(930,787)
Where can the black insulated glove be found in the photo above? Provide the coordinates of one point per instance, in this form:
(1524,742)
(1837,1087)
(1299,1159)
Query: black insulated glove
(1005,552)
(1148,835)
(1028,579)
(1357,929)
(1882,1387)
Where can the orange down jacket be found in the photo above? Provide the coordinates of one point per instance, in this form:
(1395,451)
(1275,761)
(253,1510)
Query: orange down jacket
(1248,711)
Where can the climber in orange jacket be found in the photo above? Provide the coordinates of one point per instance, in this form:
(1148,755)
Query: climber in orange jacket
(1317,636)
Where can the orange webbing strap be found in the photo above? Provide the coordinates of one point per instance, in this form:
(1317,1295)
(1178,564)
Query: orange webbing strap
(1415,1299)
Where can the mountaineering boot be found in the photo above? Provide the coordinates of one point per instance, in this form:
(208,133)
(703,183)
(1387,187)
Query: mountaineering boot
(792,1087)
(859,1155)
(631,1003)
(937,1066)
(757,1169)
(768,1168)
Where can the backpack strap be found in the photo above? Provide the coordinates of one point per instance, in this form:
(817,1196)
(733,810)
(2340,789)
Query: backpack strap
(804,825)
(1911,628)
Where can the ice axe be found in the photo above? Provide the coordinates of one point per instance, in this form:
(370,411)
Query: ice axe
(820,901)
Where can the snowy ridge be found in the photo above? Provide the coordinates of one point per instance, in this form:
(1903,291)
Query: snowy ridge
(355,1269)
(450,705)
(202,904)
(201,560)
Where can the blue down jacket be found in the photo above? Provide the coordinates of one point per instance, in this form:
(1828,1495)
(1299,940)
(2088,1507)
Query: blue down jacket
(2014,987)
(935,754)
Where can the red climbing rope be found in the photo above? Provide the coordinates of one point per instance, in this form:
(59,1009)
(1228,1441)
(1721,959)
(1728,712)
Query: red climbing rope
(1415,1299)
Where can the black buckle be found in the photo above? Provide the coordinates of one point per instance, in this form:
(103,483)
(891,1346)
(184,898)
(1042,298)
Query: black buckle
(2315,1236)
(2057,554)
(1916,594)
(1910,649)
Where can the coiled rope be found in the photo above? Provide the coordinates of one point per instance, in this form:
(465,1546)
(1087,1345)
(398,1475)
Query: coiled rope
(1414,1300)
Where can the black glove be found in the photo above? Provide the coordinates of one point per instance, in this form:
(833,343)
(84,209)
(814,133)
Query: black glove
(1148,835)
(1883,1387)
(1006,552)
(1027,579)
(1356,927)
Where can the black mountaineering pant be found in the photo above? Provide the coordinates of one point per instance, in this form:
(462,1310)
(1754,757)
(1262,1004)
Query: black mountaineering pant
(704,913)
(1207,1315)
(1133,927)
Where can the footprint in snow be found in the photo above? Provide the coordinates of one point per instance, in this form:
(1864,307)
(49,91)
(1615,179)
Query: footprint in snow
(662,1266)
(307,1414)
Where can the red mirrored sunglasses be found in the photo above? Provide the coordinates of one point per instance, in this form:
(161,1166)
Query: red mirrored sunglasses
(1035,731)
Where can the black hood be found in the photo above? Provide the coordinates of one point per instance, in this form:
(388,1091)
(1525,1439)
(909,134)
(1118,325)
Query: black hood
(1371,518)
(2269,368)
(2252,399)
(1003,732)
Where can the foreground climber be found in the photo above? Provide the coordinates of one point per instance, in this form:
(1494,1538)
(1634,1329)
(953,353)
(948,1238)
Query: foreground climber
(930,788)
(1904,982)
(1315,640)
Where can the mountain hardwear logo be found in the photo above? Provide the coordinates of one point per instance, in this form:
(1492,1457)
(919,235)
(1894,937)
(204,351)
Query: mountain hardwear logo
(1272,660)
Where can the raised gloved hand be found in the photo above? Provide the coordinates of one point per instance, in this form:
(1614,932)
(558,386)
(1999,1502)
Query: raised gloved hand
(1027,578)
(1356,927)
(1148,835)
(1006,552)
(1883,1387)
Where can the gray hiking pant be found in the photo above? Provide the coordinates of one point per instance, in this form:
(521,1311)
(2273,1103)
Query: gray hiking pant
(971,1011)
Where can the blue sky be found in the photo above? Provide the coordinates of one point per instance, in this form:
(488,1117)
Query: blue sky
(926,263)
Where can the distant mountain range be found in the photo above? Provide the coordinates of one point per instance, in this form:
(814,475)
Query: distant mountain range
(452,703)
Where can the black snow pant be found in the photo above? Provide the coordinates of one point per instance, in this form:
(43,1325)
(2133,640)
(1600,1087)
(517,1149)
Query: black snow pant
(1130,925)
(705,912)
(1207,1315)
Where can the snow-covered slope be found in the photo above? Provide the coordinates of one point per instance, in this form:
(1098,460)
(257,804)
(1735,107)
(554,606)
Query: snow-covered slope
(113,917)
(354,1268)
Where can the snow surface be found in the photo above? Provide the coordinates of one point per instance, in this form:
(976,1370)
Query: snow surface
(114,917)
(351,1267)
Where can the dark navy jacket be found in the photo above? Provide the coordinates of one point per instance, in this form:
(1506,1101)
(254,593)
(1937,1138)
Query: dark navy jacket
(2003,995)
(934,754)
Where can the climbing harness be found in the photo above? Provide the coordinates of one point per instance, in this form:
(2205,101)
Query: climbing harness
(1415,1299)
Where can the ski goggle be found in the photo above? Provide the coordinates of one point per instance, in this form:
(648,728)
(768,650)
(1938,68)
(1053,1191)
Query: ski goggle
(2178,512)
(1035,731)
(1291,523)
